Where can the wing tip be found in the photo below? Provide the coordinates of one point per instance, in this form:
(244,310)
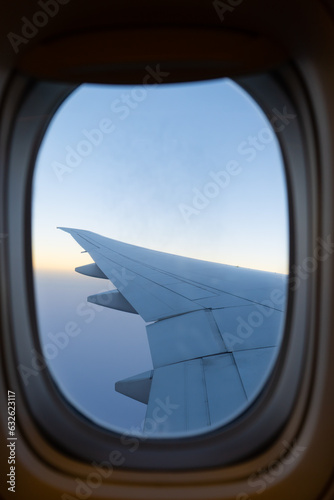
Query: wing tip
(67,229)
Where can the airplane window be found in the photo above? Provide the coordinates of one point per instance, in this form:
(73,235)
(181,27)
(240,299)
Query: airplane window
(171,202)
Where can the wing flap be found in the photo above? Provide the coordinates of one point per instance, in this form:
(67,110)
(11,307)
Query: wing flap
(249,327)
(195,394)
(254,365)
(185,337)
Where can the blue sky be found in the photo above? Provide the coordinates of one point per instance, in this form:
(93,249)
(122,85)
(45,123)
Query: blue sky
(190,169)
(139,182)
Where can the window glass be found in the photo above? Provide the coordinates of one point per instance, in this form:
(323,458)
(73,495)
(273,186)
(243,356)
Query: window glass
(186,182)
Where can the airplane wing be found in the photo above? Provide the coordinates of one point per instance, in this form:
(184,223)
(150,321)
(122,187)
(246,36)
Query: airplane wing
(213,330)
